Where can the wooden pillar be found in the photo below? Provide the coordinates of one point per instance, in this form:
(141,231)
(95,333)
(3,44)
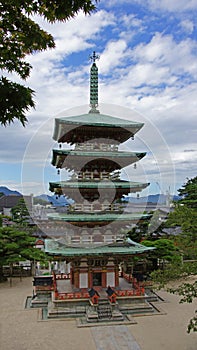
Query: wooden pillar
(71,275)
(104,278)
(116,271)
(76,278)
(90,278)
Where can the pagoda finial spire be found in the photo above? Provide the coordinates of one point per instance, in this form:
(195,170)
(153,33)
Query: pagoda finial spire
(94,84)
(94,57)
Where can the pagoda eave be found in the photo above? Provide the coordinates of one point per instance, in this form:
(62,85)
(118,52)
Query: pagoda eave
(77,129)
(100,219)
(122,249)
(87,189)
(72,159)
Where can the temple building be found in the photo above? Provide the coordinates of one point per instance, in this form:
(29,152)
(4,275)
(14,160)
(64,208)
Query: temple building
(94,246)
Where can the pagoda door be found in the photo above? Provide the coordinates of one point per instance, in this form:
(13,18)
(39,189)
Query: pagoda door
(97,279)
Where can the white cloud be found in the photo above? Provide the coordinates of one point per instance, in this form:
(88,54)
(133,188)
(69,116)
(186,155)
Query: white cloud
(163,50)
(112,56)
(156,77)
(73,36)
(167,5)
(187,25)
(131,21)
(172,6)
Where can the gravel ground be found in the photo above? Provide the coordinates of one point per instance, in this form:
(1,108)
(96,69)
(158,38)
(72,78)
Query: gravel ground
(20,328)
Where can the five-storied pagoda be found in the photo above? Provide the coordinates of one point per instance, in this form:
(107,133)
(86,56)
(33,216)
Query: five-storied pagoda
(94,244)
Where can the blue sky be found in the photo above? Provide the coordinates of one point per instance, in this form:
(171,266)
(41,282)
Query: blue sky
(147,72)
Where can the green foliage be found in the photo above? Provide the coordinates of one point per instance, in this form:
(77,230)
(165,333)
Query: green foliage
(155,225)
(15,100)
(21,36)
(188,291)
(192,326)
(17,246)
(165,249)
(172,272)
(136,233)
(20,212)
(188,192)
(185,216)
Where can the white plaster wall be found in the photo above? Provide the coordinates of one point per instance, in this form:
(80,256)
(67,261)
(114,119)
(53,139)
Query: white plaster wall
(67,268)
(83,280)
(111,279)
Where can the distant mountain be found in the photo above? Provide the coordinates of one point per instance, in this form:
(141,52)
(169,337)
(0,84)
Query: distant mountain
(55,200)
(62,201)
(153,198)
(8,192)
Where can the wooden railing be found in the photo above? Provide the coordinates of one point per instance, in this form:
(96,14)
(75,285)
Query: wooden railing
(96,208)
(131,292)
(85,295)
(68,296)
(62,276)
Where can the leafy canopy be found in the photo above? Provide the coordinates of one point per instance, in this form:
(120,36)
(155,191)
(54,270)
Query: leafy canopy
(17,246)
(20,212)
(165,249)
(188,192)
(185,216)
(20,36)
(188,291)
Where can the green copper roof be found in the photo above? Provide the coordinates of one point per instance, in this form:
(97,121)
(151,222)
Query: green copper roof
(101,154)
(121,158)
(97,217)
(97,119)
(65,127)
(89,126)
(95,184)
(125,248)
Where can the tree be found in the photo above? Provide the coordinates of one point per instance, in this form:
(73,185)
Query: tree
(137,232)
(17,246)
(165,250)
(172,272)
(21,36)
(185,216)
(20,213)
(188,291)
(188,193)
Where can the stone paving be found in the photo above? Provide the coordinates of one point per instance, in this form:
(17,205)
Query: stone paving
(114,338)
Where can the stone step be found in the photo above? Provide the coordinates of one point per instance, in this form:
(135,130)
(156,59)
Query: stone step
(103,301)
(66,312)
(136,308)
